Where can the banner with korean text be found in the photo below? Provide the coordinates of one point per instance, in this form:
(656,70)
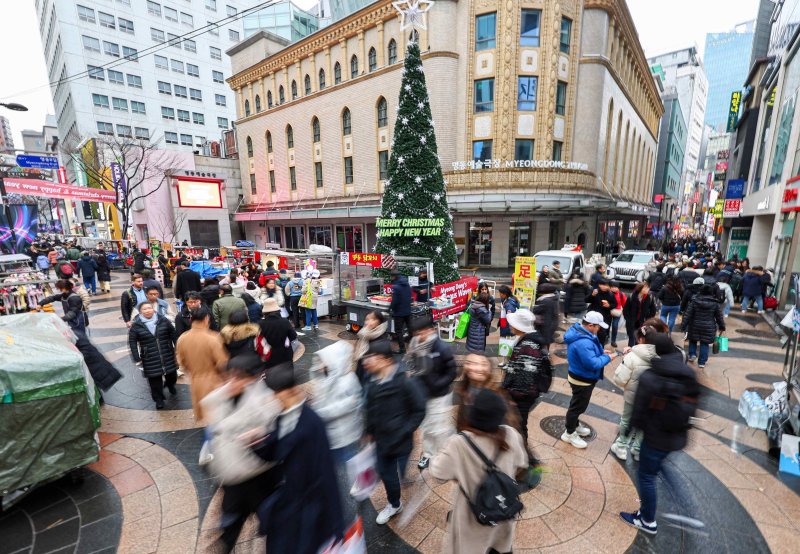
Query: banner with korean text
(525,280)
(48,189)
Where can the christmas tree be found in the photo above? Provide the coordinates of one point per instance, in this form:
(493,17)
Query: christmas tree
(415,218)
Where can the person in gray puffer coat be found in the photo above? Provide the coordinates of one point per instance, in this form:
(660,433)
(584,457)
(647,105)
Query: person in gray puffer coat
(479,322)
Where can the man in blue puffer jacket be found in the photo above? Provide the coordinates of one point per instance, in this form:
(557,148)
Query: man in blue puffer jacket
(586,362)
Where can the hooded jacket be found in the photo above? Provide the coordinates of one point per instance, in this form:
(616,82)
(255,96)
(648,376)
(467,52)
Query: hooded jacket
(479,321)
(103,269)
(576,296)
(689,293)
(337,394)
(401,297)
(229,417)
(155,351)
(72,306)
(240,339)
(280,335)
(585,354)
(87,266)
(294,287)
(225,306)
(751,284)
(727,292)
(527,365)
(702,318)
(635,362)
(667,370)
(435,370)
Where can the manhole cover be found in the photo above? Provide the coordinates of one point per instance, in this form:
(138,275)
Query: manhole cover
(555,425)
(757,333)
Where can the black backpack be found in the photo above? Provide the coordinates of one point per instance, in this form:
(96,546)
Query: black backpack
(497,497)
(675,404)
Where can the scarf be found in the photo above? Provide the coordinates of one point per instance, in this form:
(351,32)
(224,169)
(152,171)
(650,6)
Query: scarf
(419,349)
(150,323)
(365,336)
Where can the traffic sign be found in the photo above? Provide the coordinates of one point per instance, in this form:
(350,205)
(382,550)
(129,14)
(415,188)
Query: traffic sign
(38,162)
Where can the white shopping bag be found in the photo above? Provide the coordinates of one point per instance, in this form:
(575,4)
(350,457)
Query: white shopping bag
(506,346)
(362,472)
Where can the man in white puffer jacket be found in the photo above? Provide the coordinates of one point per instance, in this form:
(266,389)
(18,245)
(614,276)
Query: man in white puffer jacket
(626,376)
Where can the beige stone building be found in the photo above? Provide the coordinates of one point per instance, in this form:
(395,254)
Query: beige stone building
(545,113)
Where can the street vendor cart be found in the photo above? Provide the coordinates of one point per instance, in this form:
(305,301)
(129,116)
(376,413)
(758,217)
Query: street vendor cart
(49,408)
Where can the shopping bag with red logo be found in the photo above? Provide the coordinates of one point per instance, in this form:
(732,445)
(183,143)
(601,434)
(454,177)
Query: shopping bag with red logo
(362,471)
(353,542)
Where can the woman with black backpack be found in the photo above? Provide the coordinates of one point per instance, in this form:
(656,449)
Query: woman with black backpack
(462,460)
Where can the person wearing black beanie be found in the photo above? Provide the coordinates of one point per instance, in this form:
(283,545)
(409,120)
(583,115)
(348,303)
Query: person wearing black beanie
(487,412)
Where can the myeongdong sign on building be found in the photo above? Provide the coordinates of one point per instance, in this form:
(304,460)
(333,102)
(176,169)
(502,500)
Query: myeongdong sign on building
(518,164)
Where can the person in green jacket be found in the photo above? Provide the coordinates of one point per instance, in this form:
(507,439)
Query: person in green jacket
(226,305)
(73,254)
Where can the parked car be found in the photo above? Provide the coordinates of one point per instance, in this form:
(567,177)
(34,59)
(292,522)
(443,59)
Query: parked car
(631,266)
(570,259)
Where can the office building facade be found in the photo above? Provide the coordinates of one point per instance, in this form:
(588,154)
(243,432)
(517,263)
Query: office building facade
(727,62)
(518,101)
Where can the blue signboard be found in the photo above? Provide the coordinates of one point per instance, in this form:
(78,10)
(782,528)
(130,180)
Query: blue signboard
(735,189)
(37,162)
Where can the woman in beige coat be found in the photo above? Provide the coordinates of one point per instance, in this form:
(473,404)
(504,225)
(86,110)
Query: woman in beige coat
(457,461)
(202,355)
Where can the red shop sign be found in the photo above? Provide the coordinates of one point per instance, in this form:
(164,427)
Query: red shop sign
(360,258)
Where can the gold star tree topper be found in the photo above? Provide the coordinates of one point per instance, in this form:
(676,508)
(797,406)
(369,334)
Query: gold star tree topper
(413,13)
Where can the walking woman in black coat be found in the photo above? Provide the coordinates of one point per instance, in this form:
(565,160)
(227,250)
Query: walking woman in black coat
(639,308)
(703,318)
(103,272)
(152,342)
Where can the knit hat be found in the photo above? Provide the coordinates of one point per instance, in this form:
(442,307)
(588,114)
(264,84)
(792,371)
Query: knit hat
(282,272)
(699,281)
(487,412)
(281,377)
(296,274)
(270,305)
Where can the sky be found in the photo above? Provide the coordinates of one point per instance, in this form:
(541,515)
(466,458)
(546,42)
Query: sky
(686,23)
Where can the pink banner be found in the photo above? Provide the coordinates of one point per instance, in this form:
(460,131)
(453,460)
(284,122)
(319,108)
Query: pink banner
(35,187)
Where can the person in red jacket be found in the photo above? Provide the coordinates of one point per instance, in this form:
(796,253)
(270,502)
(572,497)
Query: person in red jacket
(616,314)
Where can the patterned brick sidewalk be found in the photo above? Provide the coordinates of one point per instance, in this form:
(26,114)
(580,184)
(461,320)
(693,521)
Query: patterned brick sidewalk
(147,493)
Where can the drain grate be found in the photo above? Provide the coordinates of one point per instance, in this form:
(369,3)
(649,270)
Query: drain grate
(555,425)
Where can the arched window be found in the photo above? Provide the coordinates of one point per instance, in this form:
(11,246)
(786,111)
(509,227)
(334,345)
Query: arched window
(346,126)
(337,73)
(307,83)
(294,90)
(269,142)
(269,99)
(392,51)
(372,59)
(258,103)
(289,137)
(249,147)
(383,113)
(315,129)
(354,67)
(246,108)
(281,95)
(321,79)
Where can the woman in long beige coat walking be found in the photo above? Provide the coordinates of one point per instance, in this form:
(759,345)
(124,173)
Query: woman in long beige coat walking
(202,355)
(458,462)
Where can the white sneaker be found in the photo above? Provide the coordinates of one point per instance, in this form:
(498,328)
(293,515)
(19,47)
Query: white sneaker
(574,440)
(307,328)
(388,513)
(582,430)
(761,311)
(619,451)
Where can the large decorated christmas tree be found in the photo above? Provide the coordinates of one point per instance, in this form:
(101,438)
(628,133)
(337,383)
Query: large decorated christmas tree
(415,218)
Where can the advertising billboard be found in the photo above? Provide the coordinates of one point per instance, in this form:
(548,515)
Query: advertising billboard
(24,221)
(199,194)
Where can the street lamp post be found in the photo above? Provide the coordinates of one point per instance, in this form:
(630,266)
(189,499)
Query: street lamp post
(3,198)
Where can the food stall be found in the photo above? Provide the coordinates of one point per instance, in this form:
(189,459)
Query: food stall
(359,292)
(316,257)
(49,408)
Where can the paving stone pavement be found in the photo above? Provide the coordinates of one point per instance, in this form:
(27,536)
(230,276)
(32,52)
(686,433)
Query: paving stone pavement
(147,493)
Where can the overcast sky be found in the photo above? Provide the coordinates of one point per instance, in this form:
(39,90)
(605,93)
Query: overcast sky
(662,26)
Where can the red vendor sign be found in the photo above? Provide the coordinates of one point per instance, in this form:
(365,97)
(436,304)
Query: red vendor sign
(48,189)
(460,291)
(362,258)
